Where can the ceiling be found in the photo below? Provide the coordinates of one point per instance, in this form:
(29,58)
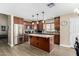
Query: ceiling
(26,10)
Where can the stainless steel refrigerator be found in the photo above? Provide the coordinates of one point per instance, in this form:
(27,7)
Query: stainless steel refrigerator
(18,30)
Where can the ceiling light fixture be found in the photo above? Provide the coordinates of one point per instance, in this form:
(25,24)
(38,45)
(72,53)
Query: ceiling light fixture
(43,17)
(37,18)
(32,17)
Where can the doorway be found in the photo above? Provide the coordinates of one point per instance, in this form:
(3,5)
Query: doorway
(3,29)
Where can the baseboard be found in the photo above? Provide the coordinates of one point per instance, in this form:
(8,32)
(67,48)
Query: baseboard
(66,46)
(10,45)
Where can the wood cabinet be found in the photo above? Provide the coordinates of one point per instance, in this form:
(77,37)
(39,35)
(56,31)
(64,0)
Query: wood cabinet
(34,25)
(46,44)
(26,24)
(57,28)
(57,23)
(18,20)
(40,26)
(25,38)
(57,39)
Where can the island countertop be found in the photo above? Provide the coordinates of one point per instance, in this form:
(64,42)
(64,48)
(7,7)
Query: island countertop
(41,35)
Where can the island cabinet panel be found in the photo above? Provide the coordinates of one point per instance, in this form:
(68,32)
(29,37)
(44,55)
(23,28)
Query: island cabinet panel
(51,43)
(34,41)
(42,43)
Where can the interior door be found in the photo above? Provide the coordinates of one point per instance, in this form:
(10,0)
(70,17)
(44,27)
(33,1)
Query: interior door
(74,29)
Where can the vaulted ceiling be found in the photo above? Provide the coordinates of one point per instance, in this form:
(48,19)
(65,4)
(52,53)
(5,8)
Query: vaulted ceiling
(26,10)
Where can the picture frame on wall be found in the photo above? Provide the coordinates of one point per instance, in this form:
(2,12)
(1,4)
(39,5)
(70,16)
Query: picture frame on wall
(3,28)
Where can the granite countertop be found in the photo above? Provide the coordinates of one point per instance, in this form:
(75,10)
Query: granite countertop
(41,35)
(44,34)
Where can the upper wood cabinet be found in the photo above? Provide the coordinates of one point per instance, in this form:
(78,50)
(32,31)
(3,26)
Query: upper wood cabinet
(18,20)
(40,26)
(34,26)
(26,24)
(57,23)
(21,21)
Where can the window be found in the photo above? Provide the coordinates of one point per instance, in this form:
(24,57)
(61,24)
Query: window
(49,27)
(52,27)
(3,28)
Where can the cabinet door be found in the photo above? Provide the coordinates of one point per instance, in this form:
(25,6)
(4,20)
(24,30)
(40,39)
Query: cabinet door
(57,23)
(21,21)
(57,39)
(16,20)
(40,26)
(25,38)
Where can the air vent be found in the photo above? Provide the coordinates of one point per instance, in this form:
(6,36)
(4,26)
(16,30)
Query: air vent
(50,5)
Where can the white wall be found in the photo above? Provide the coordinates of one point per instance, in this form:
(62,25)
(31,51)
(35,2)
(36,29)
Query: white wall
(65,31)
(69,31)
(3,22)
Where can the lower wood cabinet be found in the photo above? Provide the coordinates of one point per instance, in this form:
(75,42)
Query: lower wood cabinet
(42,43)
(57,39)
(26,38)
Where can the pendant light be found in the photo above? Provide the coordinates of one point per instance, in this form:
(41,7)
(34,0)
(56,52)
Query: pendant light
(37,18)
(32,17)
(43,16)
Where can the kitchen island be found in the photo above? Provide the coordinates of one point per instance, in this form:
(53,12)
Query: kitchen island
(42,41)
